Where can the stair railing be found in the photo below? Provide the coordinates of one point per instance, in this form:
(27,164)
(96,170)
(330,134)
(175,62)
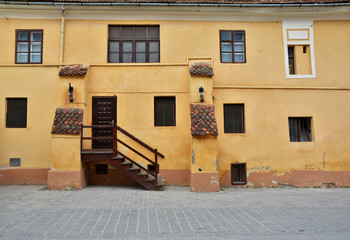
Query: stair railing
(117,140)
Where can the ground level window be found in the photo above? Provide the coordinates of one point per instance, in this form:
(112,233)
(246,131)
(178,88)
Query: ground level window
(300,129)
(16,116)
(164,111)
(101,168)
(238,174)
(234,118)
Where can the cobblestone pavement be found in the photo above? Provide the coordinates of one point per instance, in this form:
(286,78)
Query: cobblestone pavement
(28,212)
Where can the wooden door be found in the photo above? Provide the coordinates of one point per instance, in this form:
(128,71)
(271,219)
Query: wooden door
(104,112)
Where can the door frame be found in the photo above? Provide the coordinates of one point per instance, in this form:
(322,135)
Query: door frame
(94,114)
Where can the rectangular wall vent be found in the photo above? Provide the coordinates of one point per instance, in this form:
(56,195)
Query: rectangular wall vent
(15,162)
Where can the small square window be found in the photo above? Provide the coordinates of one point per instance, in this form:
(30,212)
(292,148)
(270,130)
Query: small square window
(164,111)
(238,174)
(101,168)
(29,44)
(234,118)
(232,46)
(300,129)
(16,116)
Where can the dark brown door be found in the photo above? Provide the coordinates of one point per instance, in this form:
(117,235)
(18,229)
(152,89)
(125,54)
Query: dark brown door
(103,113)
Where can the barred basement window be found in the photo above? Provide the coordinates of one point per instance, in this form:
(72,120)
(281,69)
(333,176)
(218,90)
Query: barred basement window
(101,168)
(300,129)
(29,46)
(133,44)
(238,174)
(234,118)
(164,111)
(16,115)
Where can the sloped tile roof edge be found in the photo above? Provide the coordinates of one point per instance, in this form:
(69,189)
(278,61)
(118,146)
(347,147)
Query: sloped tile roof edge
(73,70)
(247,3)
(203,120)
(67,121)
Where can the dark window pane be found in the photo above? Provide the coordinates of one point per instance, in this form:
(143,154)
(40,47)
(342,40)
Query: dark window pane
(127,32)
(164,108)
(226,47)
(127,57)
(153,46)
(16,113)
(233,118)
(153,57)
(23,36)
(239,57)
(140,32)
(140,57)
(114,46)
(114,32)
(238,36)
(35,36)
(22,57)
(153,32)
(140,46)
(226,36)
(113,57)
(226,57)
(127,46)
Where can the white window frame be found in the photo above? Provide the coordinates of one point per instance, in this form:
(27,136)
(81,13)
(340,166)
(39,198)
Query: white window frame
(298,25)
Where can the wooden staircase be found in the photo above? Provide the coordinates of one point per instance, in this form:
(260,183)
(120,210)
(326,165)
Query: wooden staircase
(150,179)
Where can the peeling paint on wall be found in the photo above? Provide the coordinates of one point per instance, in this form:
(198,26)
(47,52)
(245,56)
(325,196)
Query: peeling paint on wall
(213,180)
(217,163)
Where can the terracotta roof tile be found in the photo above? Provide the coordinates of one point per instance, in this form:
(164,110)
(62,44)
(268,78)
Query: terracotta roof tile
(67,121)
(203,120)
(205,1)
(73,70)
(203,69)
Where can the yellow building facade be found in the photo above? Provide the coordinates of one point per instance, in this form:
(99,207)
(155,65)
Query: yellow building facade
(230,96)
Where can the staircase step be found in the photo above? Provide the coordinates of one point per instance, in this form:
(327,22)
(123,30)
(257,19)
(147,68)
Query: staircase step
(118,157)
(126,162)
(150,178)
(142,173)
(134,168)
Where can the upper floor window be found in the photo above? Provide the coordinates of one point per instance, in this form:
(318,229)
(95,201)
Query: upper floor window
(29,46)
(232,46)
(133,44)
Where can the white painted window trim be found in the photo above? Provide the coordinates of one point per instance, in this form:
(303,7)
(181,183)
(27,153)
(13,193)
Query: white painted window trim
(298,25)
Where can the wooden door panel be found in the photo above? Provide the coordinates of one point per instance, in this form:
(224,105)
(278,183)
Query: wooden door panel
(103,113)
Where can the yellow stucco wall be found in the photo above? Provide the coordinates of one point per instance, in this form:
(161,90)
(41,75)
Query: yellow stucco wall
(33,143)
(265,145)
(51,38)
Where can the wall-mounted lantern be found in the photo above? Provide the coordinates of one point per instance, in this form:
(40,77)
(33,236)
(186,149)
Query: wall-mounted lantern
(201,91)
(70,90)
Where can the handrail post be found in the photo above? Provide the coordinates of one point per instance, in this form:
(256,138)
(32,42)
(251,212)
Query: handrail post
(114,139)
(156,167)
